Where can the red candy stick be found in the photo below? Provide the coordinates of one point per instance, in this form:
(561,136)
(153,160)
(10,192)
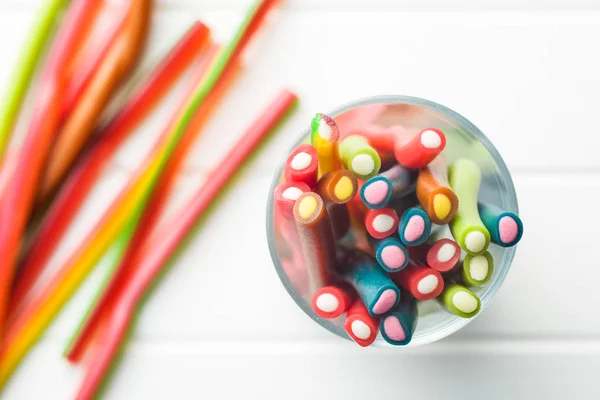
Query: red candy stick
(332,301)
(360,325)
(420,150)
(411,151)
(302,165)
(381,223)
(441,255)
(422,282)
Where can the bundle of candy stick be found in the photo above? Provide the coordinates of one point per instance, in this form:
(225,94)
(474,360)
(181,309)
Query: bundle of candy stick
(53,120)
(43,191)
(342,188)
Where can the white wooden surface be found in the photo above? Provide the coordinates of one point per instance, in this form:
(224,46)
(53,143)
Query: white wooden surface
(221,325)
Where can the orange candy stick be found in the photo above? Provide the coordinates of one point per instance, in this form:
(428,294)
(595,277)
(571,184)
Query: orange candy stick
(118,61)
(434,193)
(91,53)
(337,188)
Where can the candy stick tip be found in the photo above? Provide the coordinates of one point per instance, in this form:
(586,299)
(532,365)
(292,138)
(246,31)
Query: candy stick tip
(475,241)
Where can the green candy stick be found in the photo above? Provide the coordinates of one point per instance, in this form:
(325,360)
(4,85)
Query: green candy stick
(460,301)
(477,270)
(24,69)
(467,228)
(359,157)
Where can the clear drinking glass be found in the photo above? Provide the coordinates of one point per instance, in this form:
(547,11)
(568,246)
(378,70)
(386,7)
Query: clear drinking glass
(463,140)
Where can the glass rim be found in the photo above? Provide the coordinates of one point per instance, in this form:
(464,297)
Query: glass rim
(454,324)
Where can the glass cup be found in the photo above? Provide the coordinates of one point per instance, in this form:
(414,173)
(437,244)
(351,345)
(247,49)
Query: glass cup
(463,139)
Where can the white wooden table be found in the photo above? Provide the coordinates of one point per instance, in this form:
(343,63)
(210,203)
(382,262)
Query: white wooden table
(221,325)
